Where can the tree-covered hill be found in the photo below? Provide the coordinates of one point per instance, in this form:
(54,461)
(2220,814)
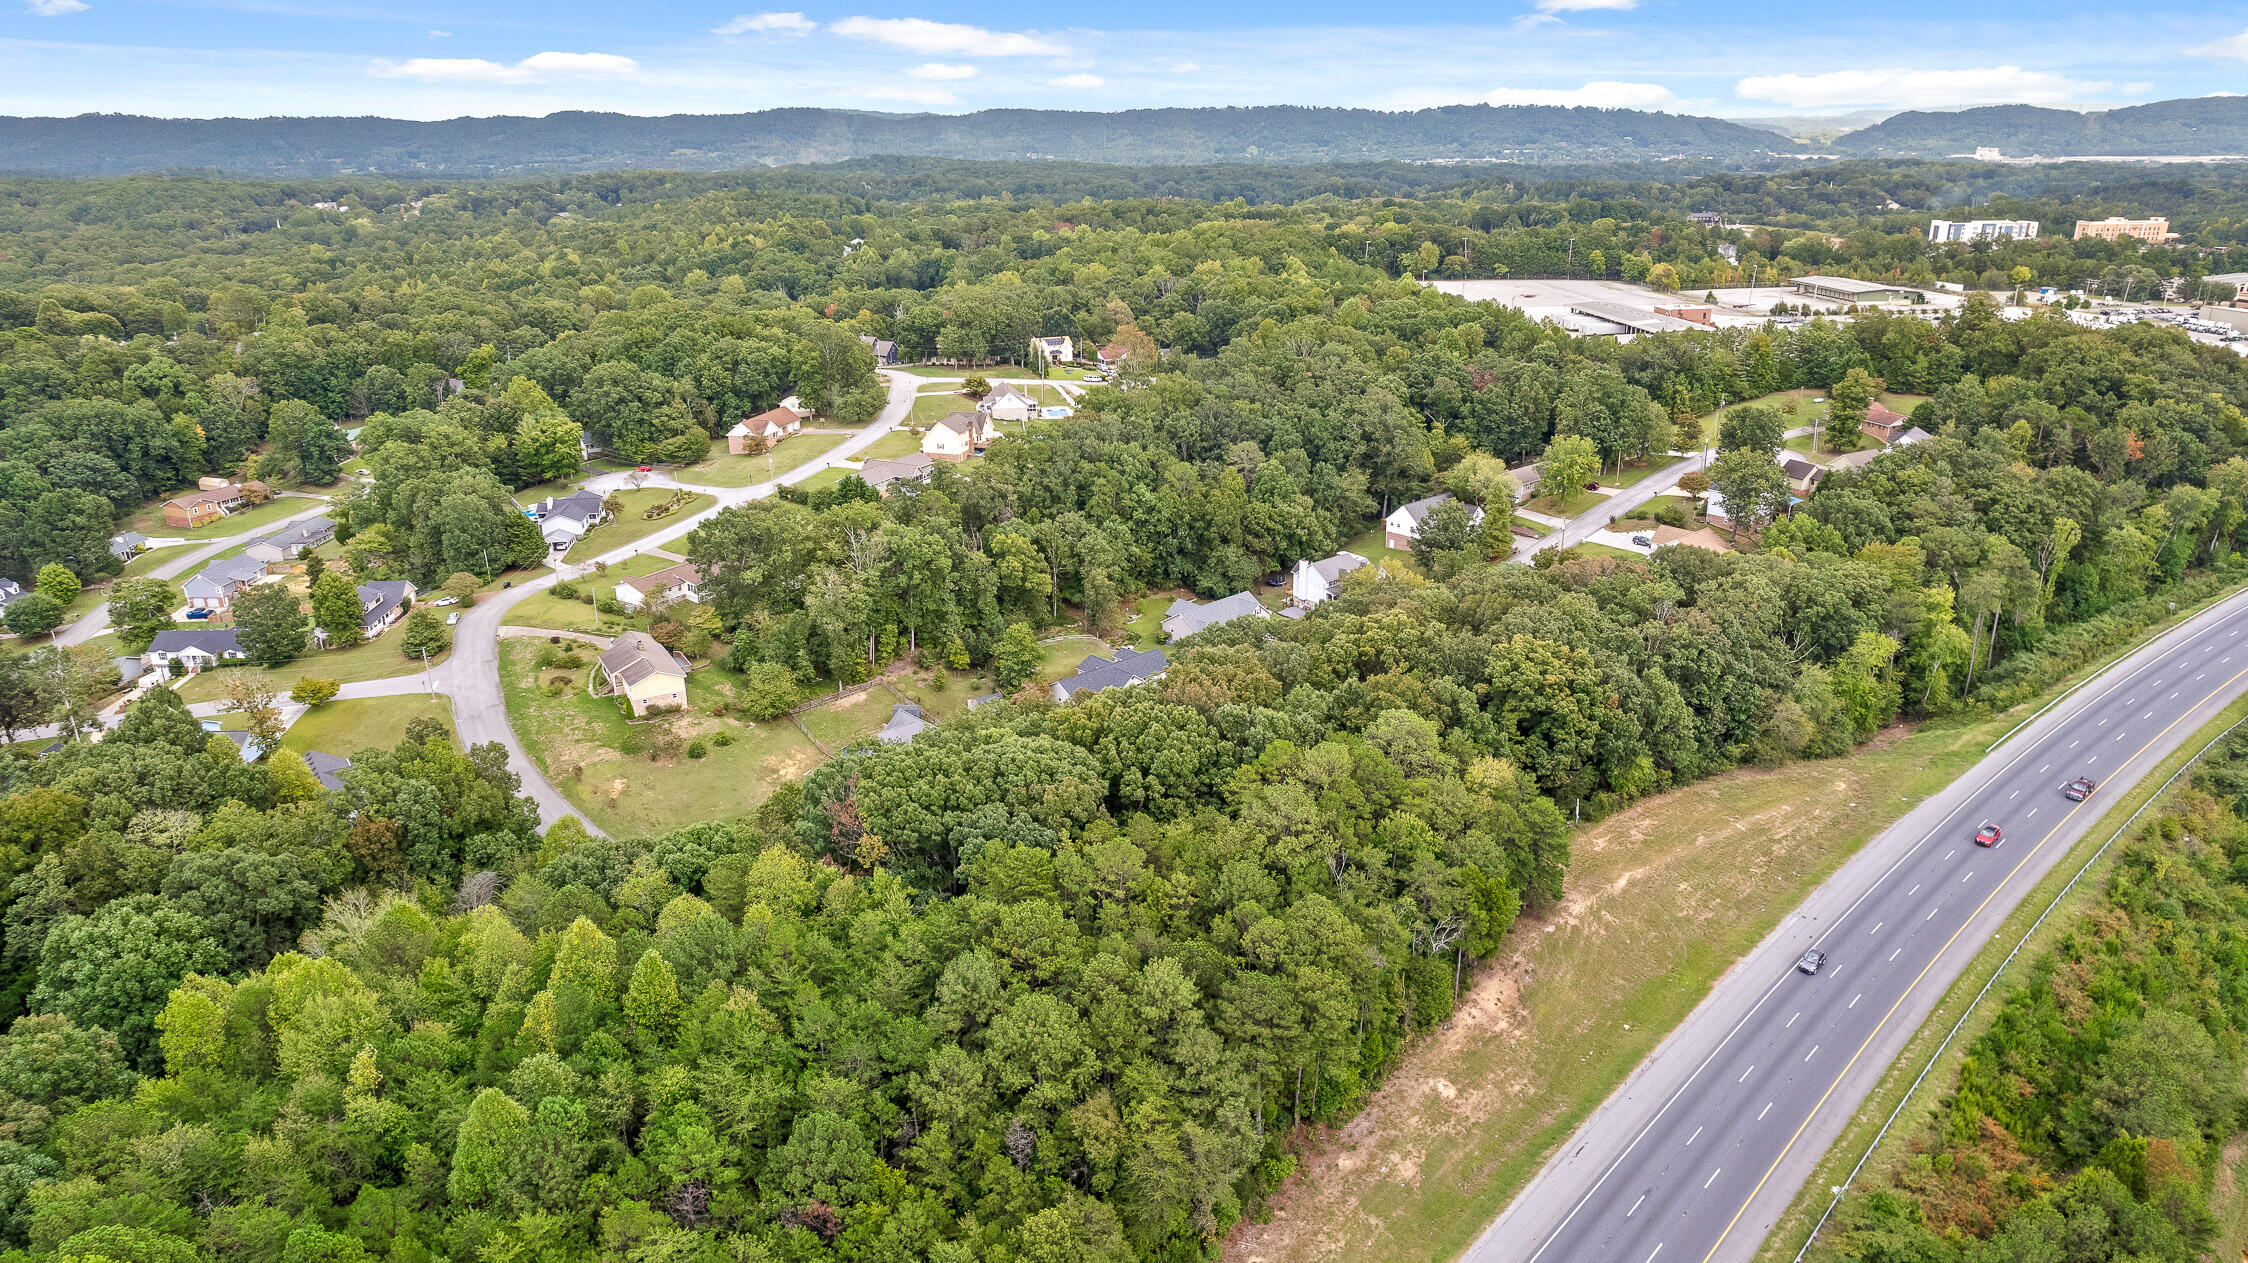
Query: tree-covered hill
(110,144)
(2198,125)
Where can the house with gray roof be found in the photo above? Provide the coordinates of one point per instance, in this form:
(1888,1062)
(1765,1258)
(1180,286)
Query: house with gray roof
(881,473)
(124,545)
(1403,525)
(1316,581)
(325,767)
(564,519)
(10,592)
(1129,666)
(905,724)
(639,669)
(383,602)
(195,648)
(291,542)
(1185,618)
(213,587)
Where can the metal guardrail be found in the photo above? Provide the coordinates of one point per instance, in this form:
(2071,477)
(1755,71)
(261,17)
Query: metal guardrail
(1973,1005)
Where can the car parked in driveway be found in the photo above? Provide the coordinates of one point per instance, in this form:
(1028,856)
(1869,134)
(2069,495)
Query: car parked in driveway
(2078,790)
(1643,541)
(446,600)
(453,618)
(1989,834)
(1811,961)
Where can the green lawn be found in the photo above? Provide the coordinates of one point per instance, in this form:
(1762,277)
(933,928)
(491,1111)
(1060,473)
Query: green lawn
(1539,529)
(824,478)
(598,760)
(1146,627)
(628,525)
(1590,549)
(347,727)
(95,594)
(1796,406)
(377,659)
(1373,545)
(544,609)
(724,470)
(1640,519)
(892,445)
(928,409)
(150,520)
(1634,471)
(1577,501)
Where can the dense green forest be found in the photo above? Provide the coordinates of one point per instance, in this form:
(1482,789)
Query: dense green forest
(2194,125)
(573,140)
(1050,982)
(2087,1122)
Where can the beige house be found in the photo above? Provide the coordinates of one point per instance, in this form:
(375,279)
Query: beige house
(1006,403)
(642,672)
(682,582)
(958,436)
(761,432)
(2115,227)
(1056,348)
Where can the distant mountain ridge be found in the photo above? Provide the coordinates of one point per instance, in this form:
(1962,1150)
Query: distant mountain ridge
(575,141)
(2192,125)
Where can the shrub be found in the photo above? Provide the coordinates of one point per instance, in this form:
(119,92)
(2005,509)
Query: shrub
(566,590)
(721,739)
(610,606)
(697,749)
(939,681)
(312,692)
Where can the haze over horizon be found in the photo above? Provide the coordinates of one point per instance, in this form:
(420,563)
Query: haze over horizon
(238,58)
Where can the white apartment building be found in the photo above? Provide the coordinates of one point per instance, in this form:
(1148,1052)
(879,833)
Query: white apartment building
(1947,230)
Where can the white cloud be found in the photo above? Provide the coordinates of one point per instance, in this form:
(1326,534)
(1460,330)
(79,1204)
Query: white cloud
(1603,93)
(2229,46)
(440,34)
(55,8)
(770,23)
(912,95)
(1185,67)
(1916,89)
(1551,10)
(939,70)
(531,69)
(923,36)
(1077,81)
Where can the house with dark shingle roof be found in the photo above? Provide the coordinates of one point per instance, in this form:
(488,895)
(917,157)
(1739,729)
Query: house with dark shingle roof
(881,473)
(291,542)
(194,647)
(1403,525)
(383,602)
(563,519)
(639,669)
(905,724)
(1316,581)
(213,588)
(325,768)
(1185,618)
(1129,666)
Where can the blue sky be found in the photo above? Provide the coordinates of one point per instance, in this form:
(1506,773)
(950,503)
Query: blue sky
(419,59)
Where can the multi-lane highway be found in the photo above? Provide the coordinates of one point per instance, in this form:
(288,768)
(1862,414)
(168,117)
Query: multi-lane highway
(1702,1149)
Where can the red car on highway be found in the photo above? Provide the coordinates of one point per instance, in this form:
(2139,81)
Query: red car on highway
(2078,790)
(1989,834)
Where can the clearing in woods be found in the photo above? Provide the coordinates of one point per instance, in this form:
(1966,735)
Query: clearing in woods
(1662,899)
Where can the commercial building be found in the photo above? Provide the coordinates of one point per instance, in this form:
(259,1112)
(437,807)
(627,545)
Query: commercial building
(2115,227)
(1954,230)
(1845,289)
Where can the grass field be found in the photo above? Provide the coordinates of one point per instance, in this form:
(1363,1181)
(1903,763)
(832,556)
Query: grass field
(723,470)
(347,727)
(1639,520)
(1796,406)
(628,526)
(892,445)
(1634,472)
(544,609)
(378,659)
(1539,529)
(1373,545)
(1662,899)
(824,478)
(95,594)
(930,408)
(597,759)
(1591,549)
(150,520)
(1146,627)
(1788,1234)
(1577,502)
(1063,655)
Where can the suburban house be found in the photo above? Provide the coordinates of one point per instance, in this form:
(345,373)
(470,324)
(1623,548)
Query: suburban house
(881,473)
(1112,354)
(1882,424)
(1316,581)
(564,519)
(1185,618)
(957,436)
(641,671)
(1854,460)
(905,724)
(1057,348)
(208,504)
(1802,475)
(1912,435)
(10,592)
(124,546)
(1130,666)
(885,351)
(1403,525)
(194,648)
(213,588)
(250,747)
(289,544)
(682,582)
(325,767)
(383,602)
(762,431)
(1006,403)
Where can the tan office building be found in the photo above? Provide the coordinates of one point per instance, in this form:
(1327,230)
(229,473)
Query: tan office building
(2152,231)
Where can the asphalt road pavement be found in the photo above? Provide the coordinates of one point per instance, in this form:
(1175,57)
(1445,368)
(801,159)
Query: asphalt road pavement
(1701,1150)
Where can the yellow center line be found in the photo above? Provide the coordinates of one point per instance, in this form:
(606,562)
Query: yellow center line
(1876,1033)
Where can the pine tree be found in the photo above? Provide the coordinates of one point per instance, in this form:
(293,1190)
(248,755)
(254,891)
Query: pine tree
(651,1002)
